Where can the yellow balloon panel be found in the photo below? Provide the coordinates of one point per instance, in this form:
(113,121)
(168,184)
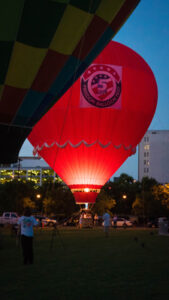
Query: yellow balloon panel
(108,9)
(24,65)
(67,37)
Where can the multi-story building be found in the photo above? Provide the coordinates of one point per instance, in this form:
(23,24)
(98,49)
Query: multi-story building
(153,156)
(27,169)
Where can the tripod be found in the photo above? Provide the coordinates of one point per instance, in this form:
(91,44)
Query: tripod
(56,231)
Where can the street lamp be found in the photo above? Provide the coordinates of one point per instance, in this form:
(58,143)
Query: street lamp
(124,196)
(38,196)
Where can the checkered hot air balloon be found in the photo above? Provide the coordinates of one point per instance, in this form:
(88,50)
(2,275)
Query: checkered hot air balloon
(44,46)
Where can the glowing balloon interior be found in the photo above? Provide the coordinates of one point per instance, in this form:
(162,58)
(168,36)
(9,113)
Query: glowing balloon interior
(98,122)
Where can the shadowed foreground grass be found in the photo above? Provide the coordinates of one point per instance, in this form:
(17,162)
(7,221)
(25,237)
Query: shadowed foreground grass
(130,264)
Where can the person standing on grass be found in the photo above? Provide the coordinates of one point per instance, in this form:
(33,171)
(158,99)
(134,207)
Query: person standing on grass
(106,219)
(115,221)
(26,223)
(80,220)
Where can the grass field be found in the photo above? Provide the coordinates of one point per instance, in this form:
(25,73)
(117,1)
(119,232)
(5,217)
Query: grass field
(84,264)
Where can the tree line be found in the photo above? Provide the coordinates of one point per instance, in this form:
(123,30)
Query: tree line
(125,196)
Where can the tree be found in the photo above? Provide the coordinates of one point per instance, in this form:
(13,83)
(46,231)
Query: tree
(27,202)
(12,195)
(161,194)
(148,202)
(58,199)
(138,206)
(125,179)
(123,191)
(103,202)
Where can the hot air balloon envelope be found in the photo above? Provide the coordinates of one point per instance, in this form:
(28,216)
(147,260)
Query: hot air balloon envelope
(99,121)
(44,46)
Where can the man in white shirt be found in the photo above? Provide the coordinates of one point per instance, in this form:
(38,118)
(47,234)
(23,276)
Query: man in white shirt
(106,219)
(26,223)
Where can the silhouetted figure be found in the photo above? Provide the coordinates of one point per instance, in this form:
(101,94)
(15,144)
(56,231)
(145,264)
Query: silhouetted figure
(115,221)
(106,219)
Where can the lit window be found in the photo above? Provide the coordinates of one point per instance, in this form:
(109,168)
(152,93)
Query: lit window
(147,147)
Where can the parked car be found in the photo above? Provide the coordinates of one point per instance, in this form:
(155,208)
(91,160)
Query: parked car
(72,221)
(153,223)
(45,221)
(9,218)
(122,222)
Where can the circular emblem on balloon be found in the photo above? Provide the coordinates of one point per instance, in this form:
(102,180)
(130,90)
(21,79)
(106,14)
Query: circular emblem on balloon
(101,85)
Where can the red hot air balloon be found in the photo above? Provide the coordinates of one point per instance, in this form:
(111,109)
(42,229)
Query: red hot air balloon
(98,122)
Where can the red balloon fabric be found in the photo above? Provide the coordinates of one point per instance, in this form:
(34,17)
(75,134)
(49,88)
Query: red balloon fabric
(97,124)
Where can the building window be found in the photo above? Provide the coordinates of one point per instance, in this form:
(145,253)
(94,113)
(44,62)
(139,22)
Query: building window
(147,147)
(146,170)
(146,162)
(146,139)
